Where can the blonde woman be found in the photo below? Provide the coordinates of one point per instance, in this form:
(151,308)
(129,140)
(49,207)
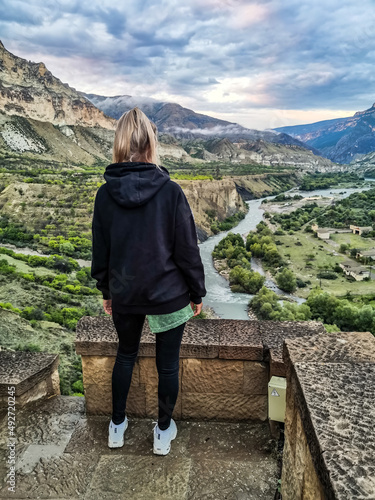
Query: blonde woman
(146,260)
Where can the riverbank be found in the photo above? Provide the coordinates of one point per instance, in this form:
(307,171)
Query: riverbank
(234,305)
(212,201)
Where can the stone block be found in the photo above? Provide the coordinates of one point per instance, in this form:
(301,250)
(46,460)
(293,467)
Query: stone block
(290,422)
(53,383)
(26,371)
(223,406)
(291,485)
(337,347)
(99,400)
(98,370)
(240,339)
(201,339)
(148,374)
(312,488)
(301,449)
(255,379)
(140,477)
(277,365)
(212,375)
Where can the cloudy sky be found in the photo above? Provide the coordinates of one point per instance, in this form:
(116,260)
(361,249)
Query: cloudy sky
(262,64)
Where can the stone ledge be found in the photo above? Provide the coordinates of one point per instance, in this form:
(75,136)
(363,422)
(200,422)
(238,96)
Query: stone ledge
(273,334)
(203,338)
(330,379)
(24,370)
(338,347)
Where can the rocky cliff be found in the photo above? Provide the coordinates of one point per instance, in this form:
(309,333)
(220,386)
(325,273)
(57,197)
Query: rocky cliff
(221,197)
(227,196)
(263,153)
(28,89)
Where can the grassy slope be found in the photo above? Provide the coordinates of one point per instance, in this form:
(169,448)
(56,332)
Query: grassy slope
(324,256)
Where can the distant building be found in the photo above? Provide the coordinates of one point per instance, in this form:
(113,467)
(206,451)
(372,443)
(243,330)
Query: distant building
(360,229)
(350,268)
(366,254)
(324,233)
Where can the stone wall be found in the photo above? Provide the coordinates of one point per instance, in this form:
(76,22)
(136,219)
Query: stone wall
(33,375)
(219,389)
(225,366)
(329,450)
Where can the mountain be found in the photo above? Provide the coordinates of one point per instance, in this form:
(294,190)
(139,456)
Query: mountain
(184,123)
(29,89)
(342,140)
(259,152)
(49,120)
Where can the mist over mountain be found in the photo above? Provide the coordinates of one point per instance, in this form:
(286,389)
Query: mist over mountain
(343,140)
(184,123)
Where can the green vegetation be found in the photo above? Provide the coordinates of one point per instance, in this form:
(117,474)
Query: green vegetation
(228,222)
(245,280)
(238,259)
(298,218)
(286,280)
(312,182)
(340,314)
(58,262)
(261,244)
(357,209)
(191,177)
(266,306)
(283,197)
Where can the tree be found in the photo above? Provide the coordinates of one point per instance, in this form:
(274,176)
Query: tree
(286,280)
(343,248)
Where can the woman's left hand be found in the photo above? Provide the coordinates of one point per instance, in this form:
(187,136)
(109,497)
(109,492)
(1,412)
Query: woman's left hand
(107,304)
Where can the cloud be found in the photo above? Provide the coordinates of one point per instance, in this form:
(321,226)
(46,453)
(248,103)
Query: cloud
(216,130)
(219,56)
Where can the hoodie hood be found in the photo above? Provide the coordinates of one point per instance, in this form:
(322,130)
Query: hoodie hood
(132,184)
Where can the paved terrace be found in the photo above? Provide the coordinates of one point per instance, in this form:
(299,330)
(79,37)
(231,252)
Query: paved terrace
(63,455)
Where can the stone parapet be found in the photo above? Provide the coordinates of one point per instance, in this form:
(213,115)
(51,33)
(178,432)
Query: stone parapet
(33,375)
(224,367)
(329,448)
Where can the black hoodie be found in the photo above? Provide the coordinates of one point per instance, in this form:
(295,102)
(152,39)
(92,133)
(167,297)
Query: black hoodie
(145,254)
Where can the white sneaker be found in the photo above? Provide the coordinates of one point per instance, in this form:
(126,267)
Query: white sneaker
(116,434)
(162,439)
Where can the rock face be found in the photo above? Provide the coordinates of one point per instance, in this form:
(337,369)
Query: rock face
(342,140)
(268,154)
(29,89)
(220,196)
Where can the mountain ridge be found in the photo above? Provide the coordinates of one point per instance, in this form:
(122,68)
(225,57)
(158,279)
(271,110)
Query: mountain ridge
(342,140)
(184,123)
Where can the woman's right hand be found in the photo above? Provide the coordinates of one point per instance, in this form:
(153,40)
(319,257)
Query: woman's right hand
(197,308)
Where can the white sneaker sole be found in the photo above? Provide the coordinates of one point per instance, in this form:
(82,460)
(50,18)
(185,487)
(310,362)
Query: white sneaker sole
(158,451)
(117,444)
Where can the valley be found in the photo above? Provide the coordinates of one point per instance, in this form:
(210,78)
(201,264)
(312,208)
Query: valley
(55,143)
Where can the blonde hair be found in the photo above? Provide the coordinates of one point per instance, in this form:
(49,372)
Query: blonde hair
(135,138)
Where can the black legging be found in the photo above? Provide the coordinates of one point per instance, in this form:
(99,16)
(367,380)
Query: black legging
(129,329)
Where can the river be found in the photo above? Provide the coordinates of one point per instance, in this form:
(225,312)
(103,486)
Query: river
(225,303)
(233,305)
